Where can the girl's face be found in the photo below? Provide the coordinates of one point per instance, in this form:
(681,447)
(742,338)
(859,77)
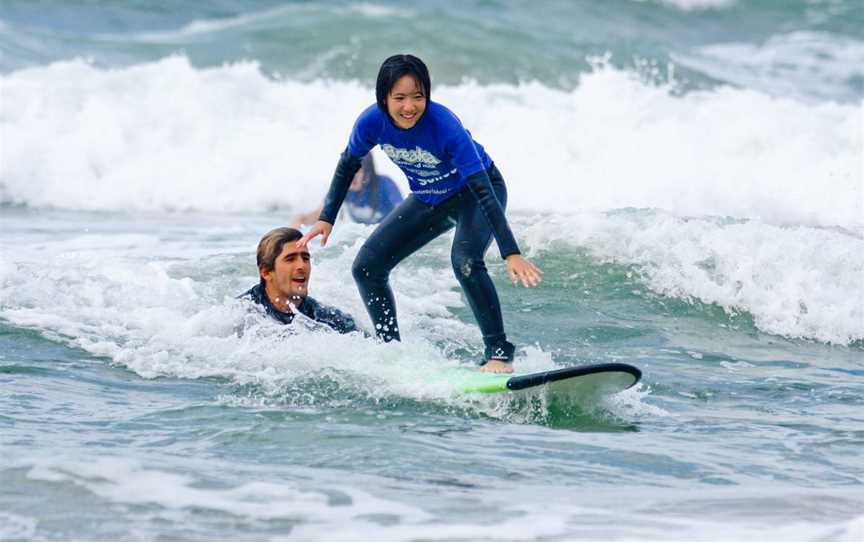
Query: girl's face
(406,102)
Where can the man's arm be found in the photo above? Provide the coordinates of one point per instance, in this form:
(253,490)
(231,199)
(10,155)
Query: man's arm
(330,316)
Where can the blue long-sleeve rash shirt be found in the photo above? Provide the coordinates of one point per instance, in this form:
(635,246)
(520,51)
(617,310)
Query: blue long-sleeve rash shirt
(438,156)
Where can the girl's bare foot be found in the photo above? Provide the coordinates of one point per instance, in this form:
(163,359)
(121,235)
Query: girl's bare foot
(496,366)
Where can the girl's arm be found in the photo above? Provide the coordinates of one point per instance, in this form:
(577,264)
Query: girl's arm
(345,170)
(481,187)
(518,268)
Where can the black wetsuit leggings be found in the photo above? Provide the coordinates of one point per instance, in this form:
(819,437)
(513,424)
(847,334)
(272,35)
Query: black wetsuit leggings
(413,224)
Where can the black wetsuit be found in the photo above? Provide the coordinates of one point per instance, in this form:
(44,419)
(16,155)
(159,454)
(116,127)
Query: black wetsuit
(413,224)
(334,318)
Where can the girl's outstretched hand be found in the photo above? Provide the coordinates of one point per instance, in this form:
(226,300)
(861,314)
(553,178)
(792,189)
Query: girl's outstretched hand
(521,270)
(319,228)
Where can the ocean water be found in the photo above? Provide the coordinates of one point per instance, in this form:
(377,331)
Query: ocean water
(688,173)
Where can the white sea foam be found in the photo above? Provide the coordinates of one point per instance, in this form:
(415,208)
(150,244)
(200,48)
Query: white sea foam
(513,511)
(695,5)
(17,527)
(124,481)
(629,404)
(800,64)
(370,9)
(795,281)
(167,136)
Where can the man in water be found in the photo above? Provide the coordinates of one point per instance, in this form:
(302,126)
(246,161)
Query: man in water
(284,286)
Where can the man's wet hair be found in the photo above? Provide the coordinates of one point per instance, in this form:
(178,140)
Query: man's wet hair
(270,246)
(396,67)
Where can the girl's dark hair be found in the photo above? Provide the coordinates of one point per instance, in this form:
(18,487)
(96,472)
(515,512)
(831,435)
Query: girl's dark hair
(395,68)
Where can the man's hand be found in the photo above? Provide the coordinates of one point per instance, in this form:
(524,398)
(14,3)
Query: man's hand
(319,228)
(522,270)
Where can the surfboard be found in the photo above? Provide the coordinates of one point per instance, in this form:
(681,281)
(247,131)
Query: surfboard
(580,381)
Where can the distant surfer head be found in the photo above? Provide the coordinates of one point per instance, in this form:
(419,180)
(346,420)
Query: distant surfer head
(403,89)
(284,269)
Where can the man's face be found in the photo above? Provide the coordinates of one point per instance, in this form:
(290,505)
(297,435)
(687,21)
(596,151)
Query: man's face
(289,279)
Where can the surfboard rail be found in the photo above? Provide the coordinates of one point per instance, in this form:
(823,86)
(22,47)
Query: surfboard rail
(520,382)
(607,378)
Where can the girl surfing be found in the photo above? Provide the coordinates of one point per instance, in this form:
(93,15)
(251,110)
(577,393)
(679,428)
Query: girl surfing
(453,183)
